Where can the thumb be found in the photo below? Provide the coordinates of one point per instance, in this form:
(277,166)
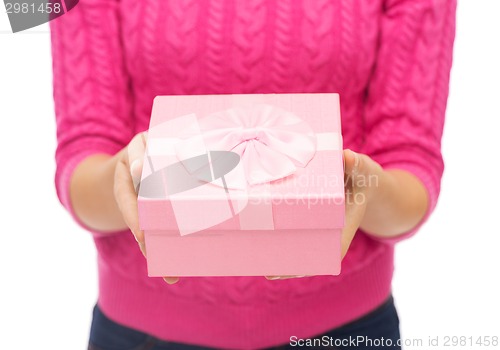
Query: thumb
(136,172)
(352,163)
(135,152)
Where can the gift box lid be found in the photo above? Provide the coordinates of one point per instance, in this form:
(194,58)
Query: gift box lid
(243,161)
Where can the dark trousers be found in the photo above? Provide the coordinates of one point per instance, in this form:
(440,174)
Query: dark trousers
(364,333)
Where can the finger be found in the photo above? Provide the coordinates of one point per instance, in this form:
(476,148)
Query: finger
(272,278)
(352,162)
(354,215)
(136,173)
(135,157)
(126,199)
(142,247)
(137,147)
(171,280)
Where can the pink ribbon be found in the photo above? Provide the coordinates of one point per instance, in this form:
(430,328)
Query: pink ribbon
(270,141)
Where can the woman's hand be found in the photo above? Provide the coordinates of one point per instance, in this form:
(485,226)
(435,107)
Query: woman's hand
(358,168)
(383,203)
(361,178)
(127,177)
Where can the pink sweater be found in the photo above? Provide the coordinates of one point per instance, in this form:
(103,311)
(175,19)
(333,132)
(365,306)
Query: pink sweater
(389,60)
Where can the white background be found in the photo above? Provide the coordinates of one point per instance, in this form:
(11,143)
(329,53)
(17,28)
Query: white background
(446,280)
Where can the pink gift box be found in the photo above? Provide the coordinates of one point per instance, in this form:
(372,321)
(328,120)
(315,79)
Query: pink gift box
(243,185)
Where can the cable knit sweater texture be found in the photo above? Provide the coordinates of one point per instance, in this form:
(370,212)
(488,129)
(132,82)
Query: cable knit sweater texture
(388,59)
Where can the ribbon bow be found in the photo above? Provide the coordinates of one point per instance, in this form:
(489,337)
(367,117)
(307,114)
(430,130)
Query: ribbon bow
(270,141)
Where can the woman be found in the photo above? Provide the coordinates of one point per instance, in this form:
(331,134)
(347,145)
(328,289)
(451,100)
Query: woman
(388,59)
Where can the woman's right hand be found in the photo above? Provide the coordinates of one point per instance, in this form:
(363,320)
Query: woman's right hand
(126,183)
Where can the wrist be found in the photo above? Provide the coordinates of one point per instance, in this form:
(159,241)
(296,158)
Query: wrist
(379,189)
(395,205)
(91,192)
(374,181)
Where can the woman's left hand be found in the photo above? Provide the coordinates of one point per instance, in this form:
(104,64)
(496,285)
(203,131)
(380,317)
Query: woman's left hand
(360,180)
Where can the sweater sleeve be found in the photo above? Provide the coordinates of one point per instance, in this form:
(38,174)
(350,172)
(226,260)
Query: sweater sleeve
(91,91)
(408,92)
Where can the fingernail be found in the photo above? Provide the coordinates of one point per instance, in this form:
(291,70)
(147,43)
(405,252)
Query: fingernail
(272,278)
(356,163)
(134,166)
(171,280)
(136,173)
(138,233)
(142,247)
